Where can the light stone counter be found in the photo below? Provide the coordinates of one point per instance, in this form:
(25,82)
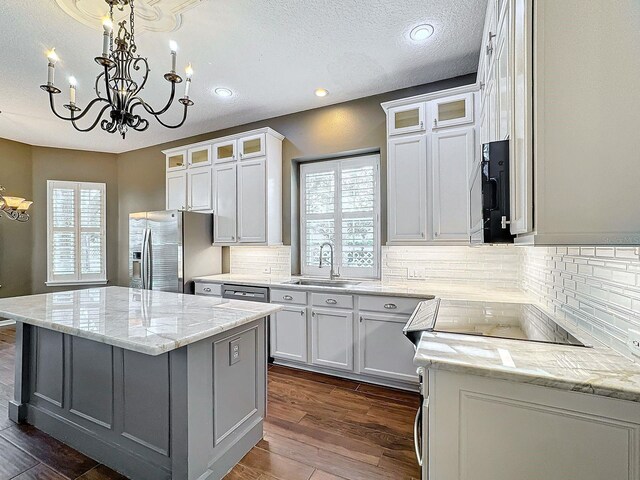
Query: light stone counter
(144,321)
(599,370)
(417,289)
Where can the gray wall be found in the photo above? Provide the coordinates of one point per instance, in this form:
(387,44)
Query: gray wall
(16,244)
(358,124)
(77,166)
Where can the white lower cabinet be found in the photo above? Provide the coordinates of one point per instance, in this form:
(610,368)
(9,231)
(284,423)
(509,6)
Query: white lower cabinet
(485,429)
(384,350)
(288,334)
(332,338)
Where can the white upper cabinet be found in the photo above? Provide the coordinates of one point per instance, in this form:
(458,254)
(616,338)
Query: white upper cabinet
(503,71)
(225,203)
(406,119)
(238,178)
(428,173)
(176,190)
(176,161)
(252,201)
(225,151)
(199,193)
(407,189)
(252,146)
(452,154)
(199,156)
(451,111)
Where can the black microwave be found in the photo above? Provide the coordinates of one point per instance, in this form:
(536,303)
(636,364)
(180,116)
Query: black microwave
(490,201)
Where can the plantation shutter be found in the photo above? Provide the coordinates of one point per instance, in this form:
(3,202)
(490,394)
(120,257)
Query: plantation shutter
(76,232)
(340,205)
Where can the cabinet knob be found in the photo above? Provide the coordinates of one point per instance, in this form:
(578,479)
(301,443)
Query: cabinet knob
(482,85)
(435,122)
(302,313)
(331,301)
(287,297)
(421,124)
(360,319)
(390,306)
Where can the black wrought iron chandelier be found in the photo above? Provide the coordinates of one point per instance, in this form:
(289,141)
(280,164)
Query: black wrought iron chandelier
(117,92)
(14,208)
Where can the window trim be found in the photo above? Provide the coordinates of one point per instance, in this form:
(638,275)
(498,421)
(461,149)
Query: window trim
(78,278)
(320,166)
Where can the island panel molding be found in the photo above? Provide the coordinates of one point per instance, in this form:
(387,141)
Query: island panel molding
(151,15)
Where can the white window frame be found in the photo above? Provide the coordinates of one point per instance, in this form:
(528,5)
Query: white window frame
(78,278)
(338,215)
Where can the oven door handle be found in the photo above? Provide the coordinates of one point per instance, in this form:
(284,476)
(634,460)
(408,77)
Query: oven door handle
(416,435)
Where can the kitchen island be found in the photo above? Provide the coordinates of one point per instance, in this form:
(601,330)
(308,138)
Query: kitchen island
(156,385)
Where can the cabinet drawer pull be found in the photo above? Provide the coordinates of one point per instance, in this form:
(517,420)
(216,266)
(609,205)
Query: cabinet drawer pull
(287,297)
(331,301)
(302,313)
(390,306)
(206,289)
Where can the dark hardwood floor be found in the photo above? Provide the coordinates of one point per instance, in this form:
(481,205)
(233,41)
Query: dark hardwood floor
(317,428)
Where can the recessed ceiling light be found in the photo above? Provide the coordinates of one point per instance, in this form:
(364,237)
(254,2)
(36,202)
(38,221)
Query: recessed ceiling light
(223,92)
(321,92)
(421,32)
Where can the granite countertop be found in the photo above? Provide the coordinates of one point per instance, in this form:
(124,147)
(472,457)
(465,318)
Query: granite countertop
(419,289)
(145,321)
(599,370)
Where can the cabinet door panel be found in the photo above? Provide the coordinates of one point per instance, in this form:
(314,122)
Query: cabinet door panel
(252,200)
(176,161)
(252,146)
(224,220)
(289,334)
(452,153)
(176,194)
(332,338)
(199,188)
(503,76)
(224,151)
(384,350)
(407,188)
(406,119)
(451,111)
(200,156)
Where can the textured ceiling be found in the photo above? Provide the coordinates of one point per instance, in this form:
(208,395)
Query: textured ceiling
(272,53)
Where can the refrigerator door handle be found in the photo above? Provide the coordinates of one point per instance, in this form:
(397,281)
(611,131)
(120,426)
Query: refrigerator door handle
(144,259)
(149,261)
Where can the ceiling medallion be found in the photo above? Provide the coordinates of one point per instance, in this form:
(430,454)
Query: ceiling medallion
(116,89)
(151,15)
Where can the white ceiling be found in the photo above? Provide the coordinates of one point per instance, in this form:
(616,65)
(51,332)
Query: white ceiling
(272,53)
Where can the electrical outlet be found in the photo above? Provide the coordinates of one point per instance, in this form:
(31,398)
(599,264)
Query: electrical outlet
(411,273)
(634,341)
(638,252)
(420,273)
(234,351)
(266,270)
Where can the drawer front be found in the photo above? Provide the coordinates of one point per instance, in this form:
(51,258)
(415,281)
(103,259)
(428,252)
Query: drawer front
(288,296)
(208,288)
(331,300)
(396,305)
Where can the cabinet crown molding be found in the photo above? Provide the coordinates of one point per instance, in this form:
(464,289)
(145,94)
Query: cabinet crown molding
(426,97)
(266,130)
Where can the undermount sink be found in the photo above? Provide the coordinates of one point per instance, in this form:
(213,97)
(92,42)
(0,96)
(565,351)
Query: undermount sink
(312,282)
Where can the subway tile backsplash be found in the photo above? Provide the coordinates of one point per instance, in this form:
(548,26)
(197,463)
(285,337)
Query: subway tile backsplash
(275,261)
(498,266)
(597,288)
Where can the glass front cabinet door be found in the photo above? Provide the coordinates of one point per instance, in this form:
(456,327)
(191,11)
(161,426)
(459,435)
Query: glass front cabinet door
(252,146)
(406,119)
(224,151)
(199,156)
(451,111)
(176,161)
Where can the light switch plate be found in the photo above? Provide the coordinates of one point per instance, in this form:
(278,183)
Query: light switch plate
(634,341)
(234,351)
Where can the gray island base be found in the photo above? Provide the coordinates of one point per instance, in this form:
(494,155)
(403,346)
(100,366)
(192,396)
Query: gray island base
(189,413)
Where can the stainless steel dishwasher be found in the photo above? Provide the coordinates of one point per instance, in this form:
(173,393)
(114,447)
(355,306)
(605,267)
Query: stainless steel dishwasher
(250,294)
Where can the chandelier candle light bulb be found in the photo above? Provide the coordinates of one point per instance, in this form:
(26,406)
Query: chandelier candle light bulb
(187,84)
(52,58)
(173,46)
(107,25)
(72,90)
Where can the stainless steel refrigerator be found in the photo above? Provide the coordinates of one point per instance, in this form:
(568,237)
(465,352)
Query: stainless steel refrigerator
(168,249)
